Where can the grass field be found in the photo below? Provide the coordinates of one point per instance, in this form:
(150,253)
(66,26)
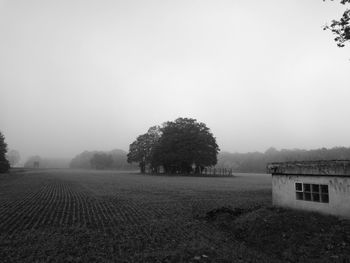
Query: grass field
(89,216)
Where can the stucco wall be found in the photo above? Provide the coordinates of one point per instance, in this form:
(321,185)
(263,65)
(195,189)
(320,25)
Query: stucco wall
(284,193)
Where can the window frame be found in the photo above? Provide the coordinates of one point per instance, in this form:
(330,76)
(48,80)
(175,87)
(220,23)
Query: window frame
(310,192)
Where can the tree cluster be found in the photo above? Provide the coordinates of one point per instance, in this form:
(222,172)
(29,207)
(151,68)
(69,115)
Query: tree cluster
(4,163)
(181,146)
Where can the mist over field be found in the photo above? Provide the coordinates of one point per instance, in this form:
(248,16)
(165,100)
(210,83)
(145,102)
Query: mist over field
(92,76)
(174,131)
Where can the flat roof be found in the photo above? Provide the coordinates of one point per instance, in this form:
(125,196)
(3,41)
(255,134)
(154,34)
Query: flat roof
(325,168)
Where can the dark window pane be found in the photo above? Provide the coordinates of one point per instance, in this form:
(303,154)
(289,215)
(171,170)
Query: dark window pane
(307,188)
(299,195)
(324,189)
(298,187)
(324,198)
(315,188)
(315,197)
(307,196)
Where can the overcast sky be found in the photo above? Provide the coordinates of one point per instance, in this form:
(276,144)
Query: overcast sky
(93,75)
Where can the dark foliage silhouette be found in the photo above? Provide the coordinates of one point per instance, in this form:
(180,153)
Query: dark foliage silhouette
(180,146)
(141,150)
(4,163)
(341,27)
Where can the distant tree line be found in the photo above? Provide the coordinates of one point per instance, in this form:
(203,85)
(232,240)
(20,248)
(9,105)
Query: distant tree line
(37,161)
(182,146)
(255,162)
(115,159)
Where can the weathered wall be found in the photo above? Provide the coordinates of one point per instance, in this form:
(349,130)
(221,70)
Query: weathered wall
(284,193)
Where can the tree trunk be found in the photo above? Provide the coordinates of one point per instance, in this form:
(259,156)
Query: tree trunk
(142,167)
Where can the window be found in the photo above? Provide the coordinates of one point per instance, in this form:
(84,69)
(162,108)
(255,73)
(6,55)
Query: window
(312,192)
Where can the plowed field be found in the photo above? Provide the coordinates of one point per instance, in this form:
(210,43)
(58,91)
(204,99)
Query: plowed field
(108,216)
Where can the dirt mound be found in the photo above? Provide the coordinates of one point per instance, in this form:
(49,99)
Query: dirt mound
(289,235)
(224,212)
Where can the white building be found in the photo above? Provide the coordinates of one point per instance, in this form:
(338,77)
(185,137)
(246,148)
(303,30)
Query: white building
(322,186)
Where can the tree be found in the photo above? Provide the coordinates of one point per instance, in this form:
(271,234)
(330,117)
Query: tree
(13,157)
(341,27)
(184,145)
(141,150)
(4,164)
(34,162)
(101,161)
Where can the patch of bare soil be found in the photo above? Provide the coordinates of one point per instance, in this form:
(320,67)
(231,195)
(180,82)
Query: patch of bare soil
(288,235)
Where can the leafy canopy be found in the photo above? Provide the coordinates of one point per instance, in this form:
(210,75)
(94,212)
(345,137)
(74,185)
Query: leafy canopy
(178,147)
(141,150)
(341,27)
(186,144)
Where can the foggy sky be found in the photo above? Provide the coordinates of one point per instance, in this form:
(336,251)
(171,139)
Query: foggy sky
(93,75)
